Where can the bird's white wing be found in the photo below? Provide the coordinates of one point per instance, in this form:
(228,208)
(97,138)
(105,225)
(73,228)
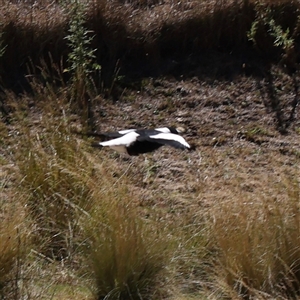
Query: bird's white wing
(114,134)
(124,140)
(171,139)
(163,129)
(125,131)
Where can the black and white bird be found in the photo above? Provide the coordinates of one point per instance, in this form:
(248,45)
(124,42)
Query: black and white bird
(139,141)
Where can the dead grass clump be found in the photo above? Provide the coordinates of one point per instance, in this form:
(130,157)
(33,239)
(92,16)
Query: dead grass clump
(14,238)
(55,174)
(258,246)
(192,259)
(126,253)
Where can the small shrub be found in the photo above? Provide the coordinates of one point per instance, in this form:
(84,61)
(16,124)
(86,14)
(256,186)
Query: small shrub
(265,22)
(81,59)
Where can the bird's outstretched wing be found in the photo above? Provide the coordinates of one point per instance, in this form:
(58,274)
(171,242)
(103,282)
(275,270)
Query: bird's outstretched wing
(170,139)
(116,134)
(110,135)
(124,140)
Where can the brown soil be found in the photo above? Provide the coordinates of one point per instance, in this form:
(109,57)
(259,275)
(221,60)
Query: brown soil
(244,146)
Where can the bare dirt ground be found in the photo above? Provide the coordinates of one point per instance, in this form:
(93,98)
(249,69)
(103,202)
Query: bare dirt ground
(229,118)
(240,149)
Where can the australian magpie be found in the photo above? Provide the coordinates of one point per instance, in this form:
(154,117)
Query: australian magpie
(139,141)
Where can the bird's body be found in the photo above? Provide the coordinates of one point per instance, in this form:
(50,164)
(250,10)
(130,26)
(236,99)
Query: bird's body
(139,141)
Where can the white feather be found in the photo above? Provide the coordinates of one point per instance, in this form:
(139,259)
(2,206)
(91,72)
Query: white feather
(171,137)
(163,129)
(125,131)
(123,141)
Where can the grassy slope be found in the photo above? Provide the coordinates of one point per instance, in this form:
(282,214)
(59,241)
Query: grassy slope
(221,221)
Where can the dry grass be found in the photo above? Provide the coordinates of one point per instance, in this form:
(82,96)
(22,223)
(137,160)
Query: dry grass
(82,214)
(135,33)
(76,223)
(15,235)
(126,253)
(50,168)
(94,230)
(258,244)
